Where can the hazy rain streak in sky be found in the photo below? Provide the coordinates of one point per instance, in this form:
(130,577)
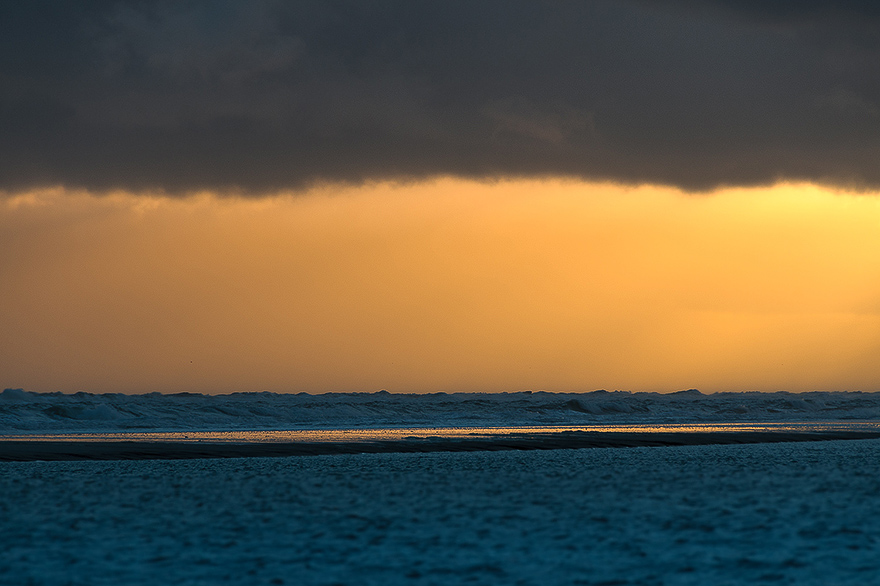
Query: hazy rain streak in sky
(449,285)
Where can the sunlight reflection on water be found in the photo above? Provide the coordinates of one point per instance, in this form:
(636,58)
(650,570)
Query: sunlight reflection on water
(377,434)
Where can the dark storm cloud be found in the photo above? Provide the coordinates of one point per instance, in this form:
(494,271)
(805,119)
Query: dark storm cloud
(268,95)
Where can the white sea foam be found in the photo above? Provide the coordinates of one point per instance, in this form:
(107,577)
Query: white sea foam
(27,412)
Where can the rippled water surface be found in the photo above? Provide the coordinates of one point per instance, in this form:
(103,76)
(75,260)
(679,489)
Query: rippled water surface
(805,513)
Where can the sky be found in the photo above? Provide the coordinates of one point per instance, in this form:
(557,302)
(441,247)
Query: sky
(458,196)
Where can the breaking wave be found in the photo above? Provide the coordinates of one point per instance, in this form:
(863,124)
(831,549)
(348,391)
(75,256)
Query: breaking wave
(28,412)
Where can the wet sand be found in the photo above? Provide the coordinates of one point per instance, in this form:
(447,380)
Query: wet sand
(23,450)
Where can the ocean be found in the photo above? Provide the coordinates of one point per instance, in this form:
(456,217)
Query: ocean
(804,512)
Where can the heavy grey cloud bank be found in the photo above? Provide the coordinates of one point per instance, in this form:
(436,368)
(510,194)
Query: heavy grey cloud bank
(266,95)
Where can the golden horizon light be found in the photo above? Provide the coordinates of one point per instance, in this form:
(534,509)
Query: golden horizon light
(442,285)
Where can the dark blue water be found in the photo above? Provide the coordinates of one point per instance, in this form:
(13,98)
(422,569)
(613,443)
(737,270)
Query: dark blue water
(767,513)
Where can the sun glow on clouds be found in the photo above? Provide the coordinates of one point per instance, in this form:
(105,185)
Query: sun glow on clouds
(444,285)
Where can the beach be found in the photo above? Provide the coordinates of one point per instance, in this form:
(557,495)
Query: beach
(520,488)
(437,293)
(192,445)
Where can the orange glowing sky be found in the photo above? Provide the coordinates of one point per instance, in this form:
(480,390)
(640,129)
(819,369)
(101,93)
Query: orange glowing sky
(446,285)
(456,196)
